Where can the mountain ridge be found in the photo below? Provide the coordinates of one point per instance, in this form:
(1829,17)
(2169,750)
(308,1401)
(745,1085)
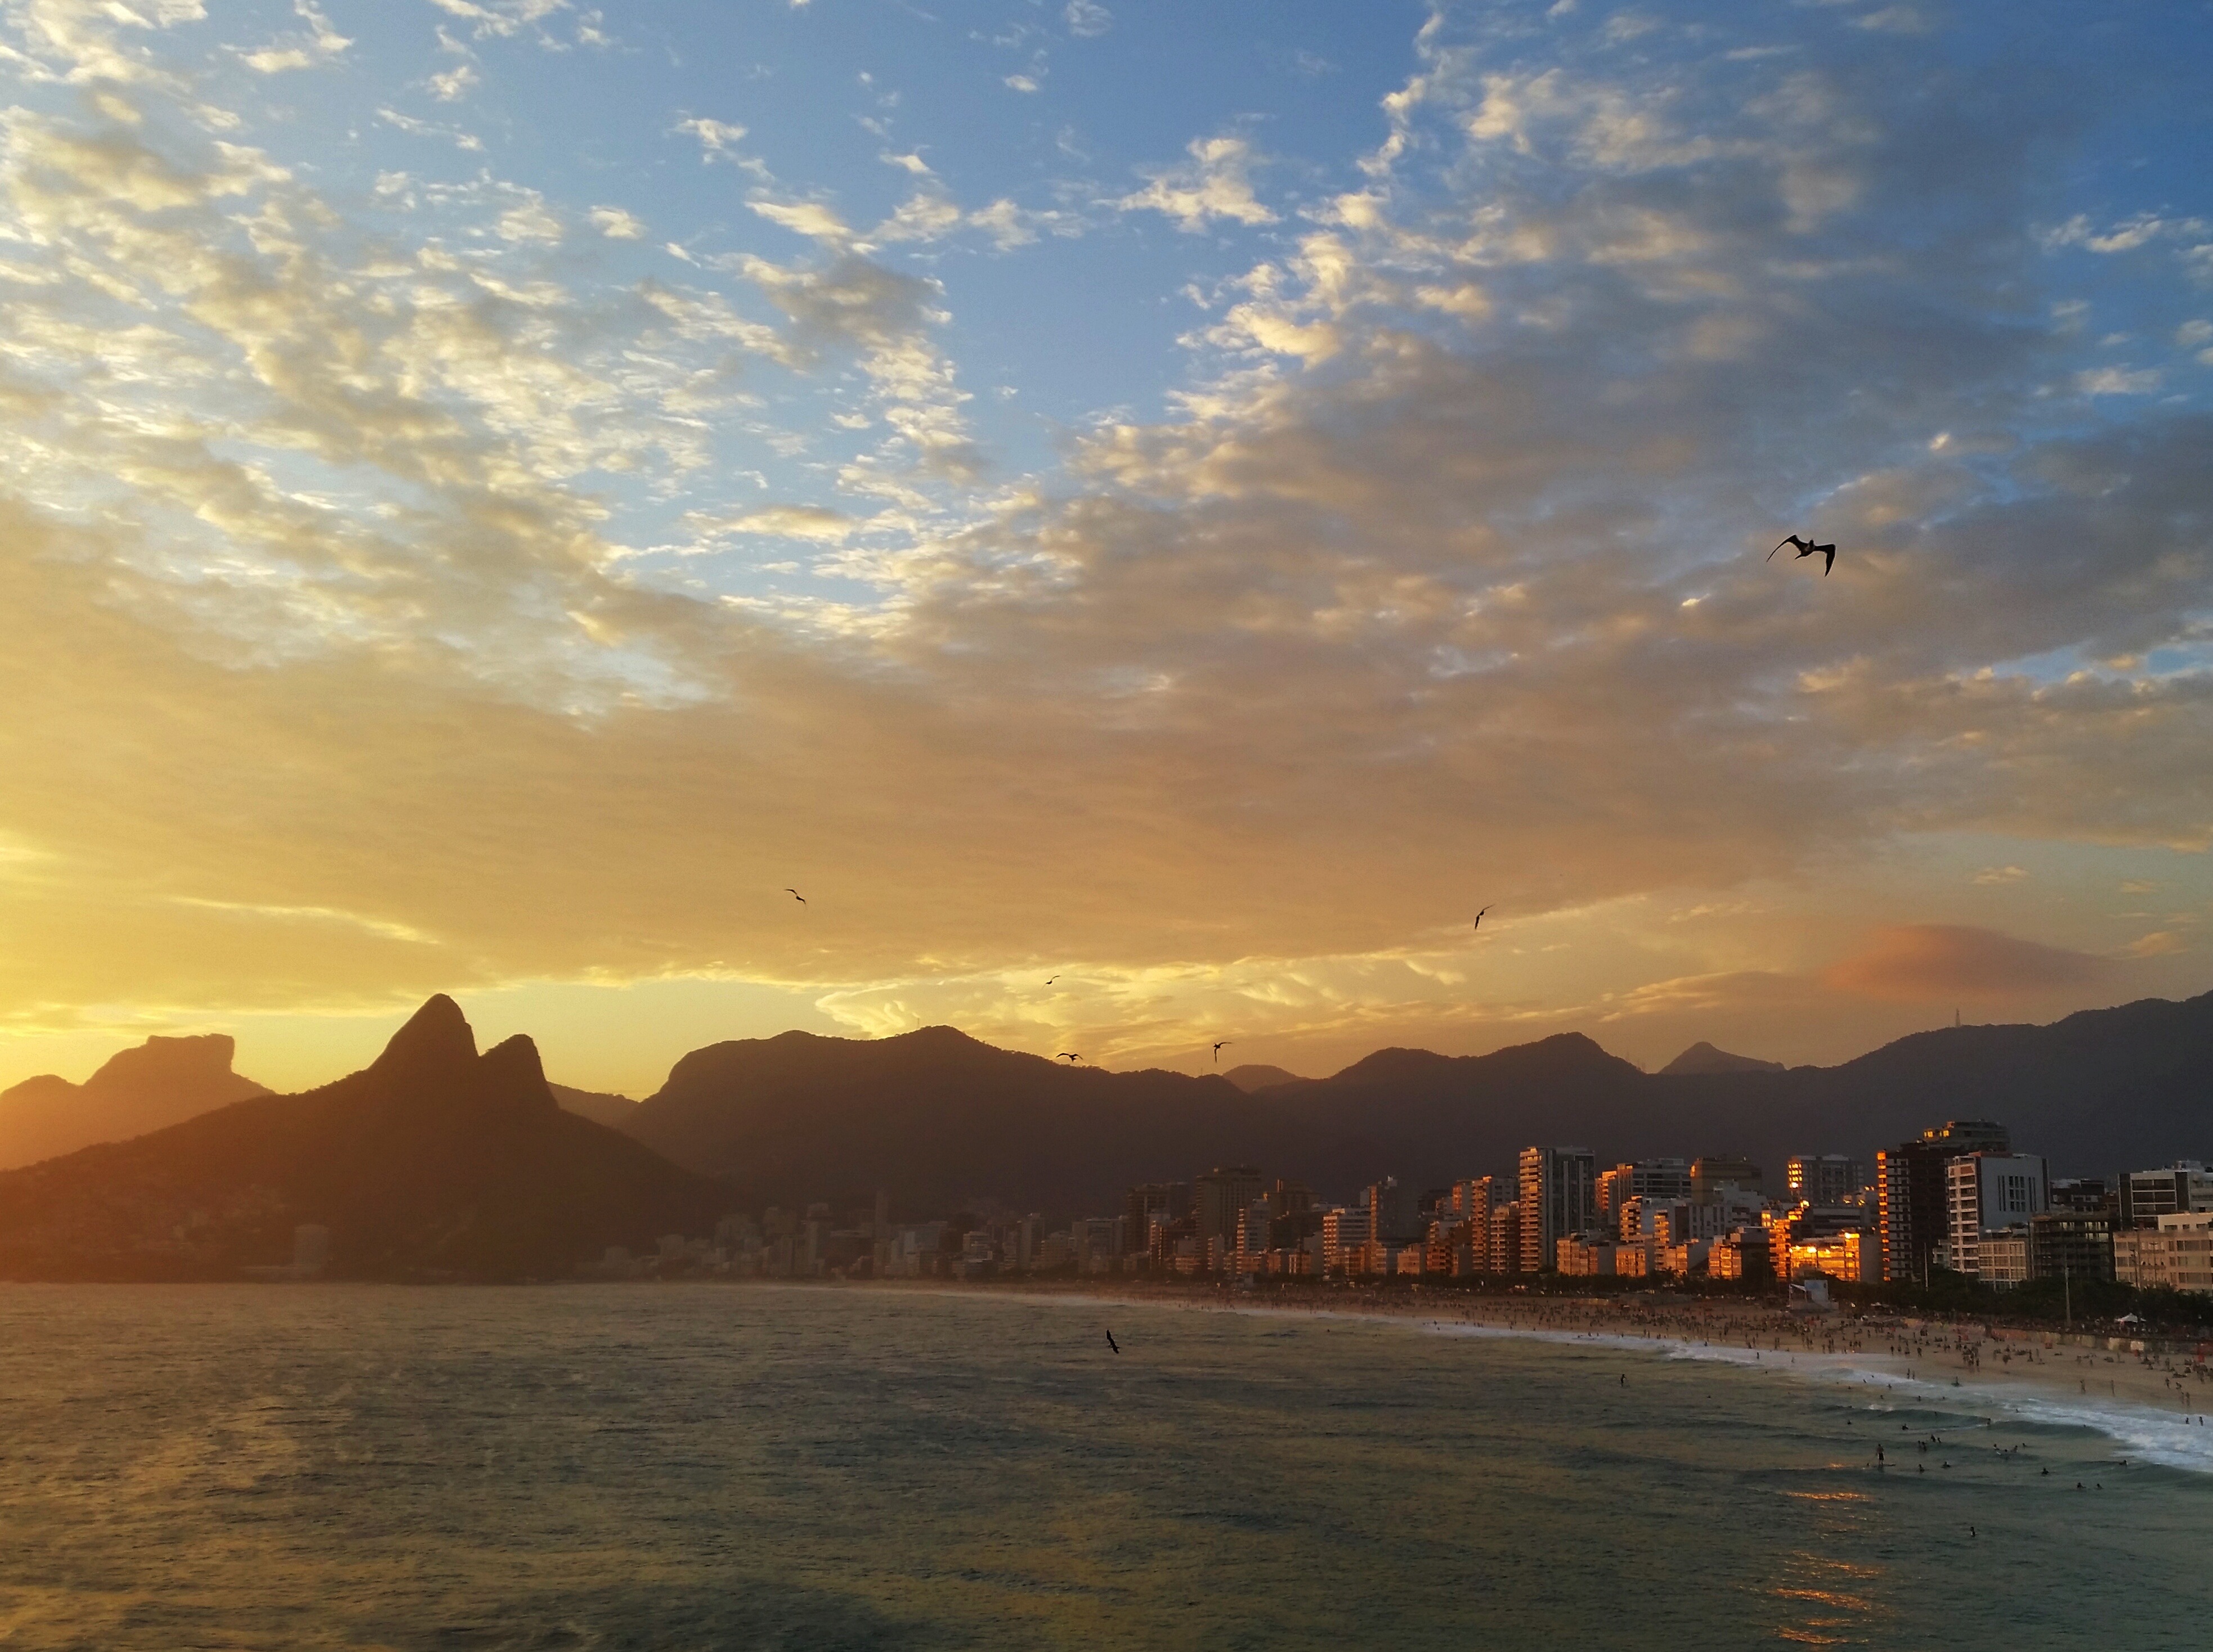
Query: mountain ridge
(803,1116)
(163,1081)
(433,1161)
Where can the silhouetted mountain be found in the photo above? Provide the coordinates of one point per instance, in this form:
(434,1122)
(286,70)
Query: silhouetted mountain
(163,1082)
(1702,1058)
(1253,1075)
(434,1159)
(933,1117)
(601,1107)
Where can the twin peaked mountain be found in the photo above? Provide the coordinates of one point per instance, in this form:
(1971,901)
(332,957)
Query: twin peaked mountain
(434,1160)
(439,1161)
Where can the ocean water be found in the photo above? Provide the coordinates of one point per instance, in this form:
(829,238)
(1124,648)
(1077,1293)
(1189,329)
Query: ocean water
(714,1466)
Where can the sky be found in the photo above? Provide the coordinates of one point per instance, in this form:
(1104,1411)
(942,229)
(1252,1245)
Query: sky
(1148,517)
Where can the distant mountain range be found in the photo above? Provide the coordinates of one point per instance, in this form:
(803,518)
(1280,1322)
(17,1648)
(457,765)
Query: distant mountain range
(438,1158)
(433,1161)
(935,1117)
(164,1081)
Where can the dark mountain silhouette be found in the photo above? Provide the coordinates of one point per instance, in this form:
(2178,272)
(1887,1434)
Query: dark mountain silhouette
(432,1160)
(601,1107)
(1702,1058)
(1254,1075)
(934,1116)
(163,1081)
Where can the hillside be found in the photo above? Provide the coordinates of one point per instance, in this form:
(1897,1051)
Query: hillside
(434,1160)
(601,1107)
(934,1116)
(163,1081)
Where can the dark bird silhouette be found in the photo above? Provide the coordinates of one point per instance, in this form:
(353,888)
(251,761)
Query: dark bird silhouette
(1068,1055)
(1112,1343)
(1808,548)
(1050,979)
(794,894)
(1219,1049)
(1479,918)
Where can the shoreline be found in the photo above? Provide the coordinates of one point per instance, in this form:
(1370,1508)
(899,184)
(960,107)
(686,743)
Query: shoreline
(2159,1409)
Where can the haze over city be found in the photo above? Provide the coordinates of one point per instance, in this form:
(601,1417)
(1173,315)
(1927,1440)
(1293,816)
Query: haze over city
(1187,508)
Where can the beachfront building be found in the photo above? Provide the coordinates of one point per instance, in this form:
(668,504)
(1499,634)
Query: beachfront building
(1505,1238)
(1741,1253)
(2176,1255)
(1559,1197)
(2002,1259)
(1587,1255)
(2070,1244)
(1344,1231)
(1685,1258)
(1985,1194)
(1912,1212)
(1848,1255)
(2145,1196)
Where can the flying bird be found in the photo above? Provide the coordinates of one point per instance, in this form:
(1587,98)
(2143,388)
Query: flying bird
(1479,918)
(1219,1049)
(1112,1343)
(1068,1055)
(1050,979)
(794,894)
(1808,548)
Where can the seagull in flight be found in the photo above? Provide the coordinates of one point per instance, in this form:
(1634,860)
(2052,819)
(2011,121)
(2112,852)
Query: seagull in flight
(794,894)
(1808,548)
(1219,1049)
(1068,1055)
(1050,979)
(1112,1343)
(1479,918)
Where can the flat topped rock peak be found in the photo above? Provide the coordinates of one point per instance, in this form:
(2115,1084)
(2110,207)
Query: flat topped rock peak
(165,1056)
(163,1081)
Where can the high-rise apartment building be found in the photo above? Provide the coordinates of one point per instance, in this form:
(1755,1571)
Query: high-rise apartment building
(1559,1197)
(2087,1194)
(1470,1201)
(1715,1171)
(1823,1179)
(1505,1238)
(1344,1231)
(1913,1206)
(1219,1197)
(1149,1204)
(1985,1192)
(2145,1196)
(1394,1216)
(1640,1178)
(2070,1244)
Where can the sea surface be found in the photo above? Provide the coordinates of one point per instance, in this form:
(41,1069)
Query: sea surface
(753,1466)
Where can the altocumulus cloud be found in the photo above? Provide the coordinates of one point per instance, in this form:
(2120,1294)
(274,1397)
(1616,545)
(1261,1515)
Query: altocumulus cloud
(1440,584)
